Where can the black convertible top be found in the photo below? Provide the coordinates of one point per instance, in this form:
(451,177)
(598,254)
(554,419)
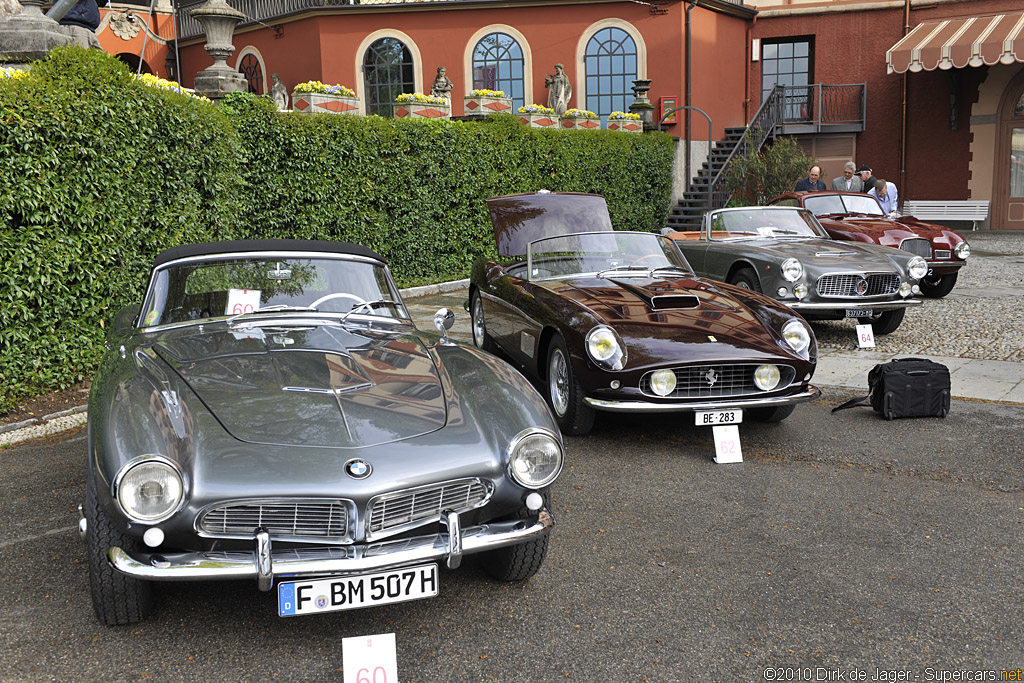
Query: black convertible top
(234,246)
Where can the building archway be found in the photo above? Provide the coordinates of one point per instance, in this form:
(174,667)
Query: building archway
(1008,195)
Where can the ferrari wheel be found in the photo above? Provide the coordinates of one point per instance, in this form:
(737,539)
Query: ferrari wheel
(938,286)
(481,339)
(517,562)
(777,414)
(885,322)
(746,278)
(573,415)
(116,598)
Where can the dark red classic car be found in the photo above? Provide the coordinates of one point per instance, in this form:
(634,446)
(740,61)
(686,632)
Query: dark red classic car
(859,217)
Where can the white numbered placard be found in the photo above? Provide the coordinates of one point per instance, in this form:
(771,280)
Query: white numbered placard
(727,444)
(370,659)
(865,336)
(242,301)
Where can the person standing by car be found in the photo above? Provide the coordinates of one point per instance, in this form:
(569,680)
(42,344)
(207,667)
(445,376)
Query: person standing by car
(866,178)
(885,193)
(813,181)
(848,182)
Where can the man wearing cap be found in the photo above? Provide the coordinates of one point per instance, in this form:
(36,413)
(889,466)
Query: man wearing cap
(869,180)
(812,182)
(849,181)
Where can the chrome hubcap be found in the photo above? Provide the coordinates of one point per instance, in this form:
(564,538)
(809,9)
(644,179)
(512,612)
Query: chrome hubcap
(478,322)
(558,382)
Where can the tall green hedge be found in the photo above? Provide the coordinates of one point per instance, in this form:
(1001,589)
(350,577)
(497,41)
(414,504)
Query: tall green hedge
(99,172)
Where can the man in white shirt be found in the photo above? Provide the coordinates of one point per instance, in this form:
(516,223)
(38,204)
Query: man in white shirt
(885,193)
(848,182)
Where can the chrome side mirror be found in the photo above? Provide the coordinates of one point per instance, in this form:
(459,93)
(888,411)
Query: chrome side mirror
(443,321)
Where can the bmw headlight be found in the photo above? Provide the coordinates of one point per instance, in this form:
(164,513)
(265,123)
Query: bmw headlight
(797,336)
(917,268)
(767,377)
(792,270)
(604,348)
(535,458)
(663,382)
(962,250)
(150,489)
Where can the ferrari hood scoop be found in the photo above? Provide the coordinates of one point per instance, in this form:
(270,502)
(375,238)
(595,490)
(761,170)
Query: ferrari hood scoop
(669,302)
(317,386)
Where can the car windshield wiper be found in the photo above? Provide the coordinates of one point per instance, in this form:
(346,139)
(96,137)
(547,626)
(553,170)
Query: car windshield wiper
(276,308)
(671,269)
(370,304)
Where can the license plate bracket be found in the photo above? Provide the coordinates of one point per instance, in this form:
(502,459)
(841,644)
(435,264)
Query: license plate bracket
(336,593)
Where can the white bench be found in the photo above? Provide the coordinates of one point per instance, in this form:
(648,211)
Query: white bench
(954,210)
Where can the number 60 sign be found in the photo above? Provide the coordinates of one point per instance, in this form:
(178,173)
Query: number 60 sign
(370,659)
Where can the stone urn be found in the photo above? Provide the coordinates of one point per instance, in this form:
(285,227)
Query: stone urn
(218,19)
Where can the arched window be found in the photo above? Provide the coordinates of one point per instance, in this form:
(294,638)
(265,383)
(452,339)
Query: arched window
(498,65)
(251,68)
(610,66)
(387,73)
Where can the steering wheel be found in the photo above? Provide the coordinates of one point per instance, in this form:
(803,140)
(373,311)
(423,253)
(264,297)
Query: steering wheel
(644,258)
(338,295)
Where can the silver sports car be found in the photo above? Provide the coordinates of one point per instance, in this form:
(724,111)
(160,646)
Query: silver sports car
(785,253)
(271,412)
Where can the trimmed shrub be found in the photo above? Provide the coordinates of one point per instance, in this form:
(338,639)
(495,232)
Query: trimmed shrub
(101,171)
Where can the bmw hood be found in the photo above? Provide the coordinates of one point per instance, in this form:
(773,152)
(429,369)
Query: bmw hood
(315,385)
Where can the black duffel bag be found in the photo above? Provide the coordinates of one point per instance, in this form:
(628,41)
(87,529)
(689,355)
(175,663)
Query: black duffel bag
(906,387)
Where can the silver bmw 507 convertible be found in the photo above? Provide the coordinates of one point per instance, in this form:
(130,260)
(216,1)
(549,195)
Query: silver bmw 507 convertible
(271,412)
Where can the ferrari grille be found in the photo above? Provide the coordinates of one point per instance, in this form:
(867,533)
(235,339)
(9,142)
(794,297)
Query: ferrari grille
(917,246)
(393,512)
(716,381)
(843,285)
(325,519)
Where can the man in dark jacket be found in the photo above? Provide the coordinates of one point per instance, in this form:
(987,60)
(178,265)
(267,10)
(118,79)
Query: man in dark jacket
(85,14)
(813,181)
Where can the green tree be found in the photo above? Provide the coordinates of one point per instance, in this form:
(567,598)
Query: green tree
(766,172)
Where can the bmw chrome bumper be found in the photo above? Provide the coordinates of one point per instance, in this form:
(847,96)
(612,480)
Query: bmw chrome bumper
(810,394)
(265,564)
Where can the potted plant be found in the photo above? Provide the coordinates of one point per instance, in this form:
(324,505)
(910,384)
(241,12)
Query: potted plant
(418,105)
(537,116)
(482,102)
(314,97)
(574,119)
(625,122)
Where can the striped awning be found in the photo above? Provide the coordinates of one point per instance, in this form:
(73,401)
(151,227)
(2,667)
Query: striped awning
(959,43)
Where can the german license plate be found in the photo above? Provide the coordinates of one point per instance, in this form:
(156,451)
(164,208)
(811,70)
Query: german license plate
(859,313)
(719,417)
(299,598)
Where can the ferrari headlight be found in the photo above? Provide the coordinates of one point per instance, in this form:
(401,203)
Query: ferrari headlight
(149,490)
(797,336)
(792,270)
(535,458)
(767,377)
(917,268)
(604,348)
(962,250)
(663,382)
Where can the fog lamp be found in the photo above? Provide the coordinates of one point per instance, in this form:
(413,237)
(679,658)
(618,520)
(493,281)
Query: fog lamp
(767,377)
(663,382)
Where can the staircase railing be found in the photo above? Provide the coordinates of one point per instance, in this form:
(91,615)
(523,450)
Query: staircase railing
(761,127)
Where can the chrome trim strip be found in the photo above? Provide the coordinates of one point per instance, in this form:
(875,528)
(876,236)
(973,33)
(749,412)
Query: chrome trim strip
(360,559)
(859,303)
(810,394)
